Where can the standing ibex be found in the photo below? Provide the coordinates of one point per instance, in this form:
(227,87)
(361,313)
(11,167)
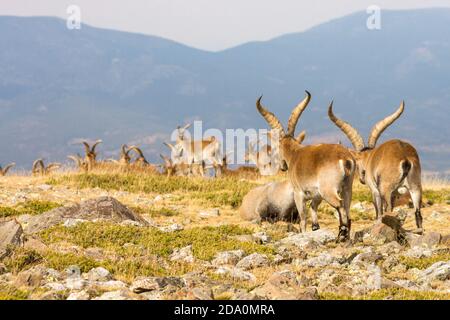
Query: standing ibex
(4,171)
(316,172)
(198,153)
(91,154)
(39,167)
(386,168)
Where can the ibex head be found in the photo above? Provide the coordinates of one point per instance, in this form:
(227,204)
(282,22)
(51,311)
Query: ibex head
(140,160)
(362,150)
(4,171)
(125,155)
(39,167)
(80,162)
(181,131)
(285,138)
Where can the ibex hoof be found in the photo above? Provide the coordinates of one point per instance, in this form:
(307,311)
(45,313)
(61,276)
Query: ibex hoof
(344,234)
(315,226)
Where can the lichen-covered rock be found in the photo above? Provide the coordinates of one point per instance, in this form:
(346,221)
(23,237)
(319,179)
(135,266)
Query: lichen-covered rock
(236,273)
(438,271)
(183,254)
(227,257)
(103,208)
(11,234)
(255,260)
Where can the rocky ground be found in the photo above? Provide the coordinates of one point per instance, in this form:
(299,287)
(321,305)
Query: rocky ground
(65,240)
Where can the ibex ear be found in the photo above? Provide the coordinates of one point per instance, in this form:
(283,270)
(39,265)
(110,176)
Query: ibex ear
(301,137)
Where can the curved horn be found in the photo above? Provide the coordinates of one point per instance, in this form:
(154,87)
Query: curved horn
(379,128)
(138,151)
(355,138)
(296,113)
(96,144)
(9,166)
(124,151)
(301,137)
(269,116)
(170,146)
(53,166)
(87,147)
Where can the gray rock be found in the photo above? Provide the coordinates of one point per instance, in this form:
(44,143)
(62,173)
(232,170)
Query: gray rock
(429,240)
(438,271)
(55,286)
(322,260)
(419,252)
(209,214)
(261,237)
(11,234)
(99,209)
(302,240)
(69,223)
(110,285)
(171,228)
(184,254)
(201,293)
(255,260)
(236,273)
(227,257)
(368,257)
(80,295)
(141,285)
(99,274)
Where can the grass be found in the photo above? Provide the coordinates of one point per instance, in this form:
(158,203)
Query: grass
(437,196)
(389,294)
(206,241)
(10,293)
(157,212)
(423,263)
(221,191)
(33,207)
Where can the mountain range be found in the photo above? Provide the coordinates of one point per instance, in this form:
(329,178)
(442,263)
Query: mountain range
(58,86)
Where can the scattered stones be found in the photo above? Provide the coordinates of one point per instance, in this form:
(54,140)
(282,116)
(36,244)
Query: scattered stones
(209,214)
(284,286)
(171,228)
(184,254)
(228,257)
(255,260)
(80,295)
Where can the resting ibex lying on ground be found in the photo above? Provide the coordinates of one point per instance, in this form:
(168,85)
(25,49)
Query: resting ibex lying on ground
(316,172)
(386,168)
(4,171)
(39,167)
(79,162)
(91,154)
(273,201)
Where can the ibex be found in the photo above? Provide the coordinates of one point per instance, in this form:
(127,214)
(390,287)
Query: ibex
(198,152)
(140,160)
(241,172)
(175,169)
(39,167)
(316,172)
(81,164)
(4,171)
(273,201)
(267,159)
(91,154)
(386,168)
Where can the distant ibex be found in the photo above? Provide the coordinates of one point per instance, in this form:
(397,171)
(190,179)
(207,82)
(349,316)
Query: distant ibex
(273,201)
(81,164)
(39,167)
(267,159)
(140,160)
(4,171)
(316,172)
(386,168)
(175,169)
(197,152)
(91,154)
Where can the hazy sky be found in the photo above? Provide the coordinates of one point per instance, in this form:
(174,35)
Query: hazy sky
(207,24)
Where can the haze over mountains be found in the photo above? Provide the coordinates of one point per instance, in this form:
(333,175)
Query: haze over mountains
(59,85)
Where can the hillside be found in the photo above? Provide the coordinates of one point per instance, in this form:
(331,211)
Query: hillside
(57,86)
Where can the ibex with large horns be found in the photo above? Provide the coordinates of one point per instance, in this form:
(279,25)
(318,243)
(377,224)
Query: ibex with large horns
(39,168)
(91,154)
(81,164)
(316,172)
(140,160)
(4,171)
(386,168)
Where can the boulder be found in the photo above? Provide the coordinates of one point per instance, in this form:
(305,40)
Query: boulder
(309,240)
(429,240)
(438,271)
(11,234)
(285,286)
(255,260)
(227,257)
(103,208)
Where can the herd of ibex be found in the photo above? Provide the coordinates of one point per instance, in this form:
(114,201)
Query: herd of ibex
(316,173)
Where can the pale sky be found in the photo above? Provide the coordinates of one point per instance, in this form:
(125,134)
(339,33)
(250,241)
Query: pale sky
(207,24)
